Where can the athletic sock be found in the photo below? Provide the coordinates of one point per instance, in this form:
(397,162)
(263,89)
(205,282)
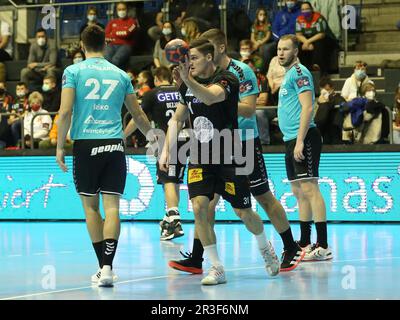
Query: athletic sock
(287,239)
(198,250)
(109,249)
(212,255)
(261,240)
(305,228)
(322,234)
(98,248)
(171,214)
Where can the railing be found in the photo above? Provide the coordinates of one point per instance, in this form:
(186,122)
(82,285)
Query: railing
(32,123)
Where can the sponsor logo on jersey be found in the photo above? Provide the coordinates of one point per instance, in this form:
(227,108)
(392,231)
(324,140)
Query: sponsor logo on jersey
(230,188)
(104,107)
(303,82)
(168,96)
(246,87)
(195,175)
(64,80)
(238,69)
(107,148)
(91,120)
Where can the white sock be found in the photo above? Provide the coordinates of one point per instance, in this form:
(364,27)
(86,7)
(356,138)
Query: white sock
(261,240)
(212,254)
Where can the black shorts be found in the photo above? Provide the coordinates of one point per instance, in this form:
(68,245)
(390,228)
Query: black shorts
(258,178)
(175,171)
(99,166)
(308,168)
(205,180)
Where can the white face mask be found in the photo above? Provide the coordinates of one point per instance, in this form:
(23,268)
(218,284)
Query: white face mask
(325,93)
(245,54)
(121,13)
(166,31)
(41,41)
(370,95)
(183,32)
(91,17)
(20,94)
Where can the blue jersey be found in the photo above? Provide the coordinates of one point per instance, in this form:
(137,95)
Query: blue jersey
(248,85)
(100,90)
(297,80)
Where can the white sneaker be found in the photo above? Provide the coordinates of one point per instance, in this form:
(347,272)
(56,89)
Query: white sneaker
(272,263)
(317,253)
(216,275)
(106,277)
(97,275)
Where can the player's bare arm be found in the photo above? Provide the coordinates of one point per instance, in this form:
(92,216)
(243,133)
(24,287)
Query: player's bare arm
(64,123)
(139,117)
(305,99)
(247,106)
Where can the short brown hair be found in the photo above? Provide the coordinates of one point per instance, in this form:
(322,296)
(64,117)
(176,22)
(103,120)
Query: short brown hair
(360,64)
(162,73)
(246,42)
(215,35)
(293,38)
(93,38)
(51,78)
(367,87)
(203,45)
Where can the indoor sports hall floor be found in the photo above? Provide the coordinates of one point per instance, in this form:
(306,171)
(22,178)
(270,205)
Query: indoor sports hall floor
(54,260)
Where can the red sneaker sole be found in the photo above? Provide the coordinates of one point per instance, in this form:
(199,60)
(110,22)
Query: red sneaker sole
(296,264)
(179,267)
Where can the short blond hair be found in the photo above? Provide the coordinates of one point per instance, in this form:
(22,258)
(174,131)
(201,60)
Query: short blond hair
(293,38)
(35,96)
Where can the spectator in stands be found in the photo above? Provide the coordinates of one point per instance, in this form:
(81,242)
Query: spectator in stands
(41,124)
(396,117)
(177,12)
(330,10)
(91,19)
(247,52)
(205,13)
(5,41)
(190,30)
(285,19)
(328,118)
(19,107)
(6,100)
(317,41)
(78,56)
(120,37)
(42,61)
(51,94)
(261,36)
(352,86)
(275,76)
(145,83)
(168,33)
(363,117)
(52,141)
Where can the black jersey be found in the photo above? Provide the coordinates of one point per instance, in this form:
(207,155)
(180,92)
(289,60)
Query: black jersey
(160,105)
(207,122)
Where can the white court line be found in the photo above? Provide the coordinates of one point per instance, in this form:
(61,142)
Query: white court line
(40,253)
(14,255)
(173,275)
(65,252)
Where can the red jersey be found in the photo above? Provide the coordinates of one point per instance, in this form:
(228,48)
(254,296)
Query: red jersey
(120,31)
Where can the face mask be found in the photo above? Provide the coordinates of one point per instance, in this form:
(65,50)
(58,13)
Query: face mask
(290,4)
(76,60)
(35,107)
(166,31)
(45,88)
(360,74)
(325,93)
(370,95)
(122,14)
(41,41)
(183,32)
(91,17)
(307,14)
(245,54)
(20,94)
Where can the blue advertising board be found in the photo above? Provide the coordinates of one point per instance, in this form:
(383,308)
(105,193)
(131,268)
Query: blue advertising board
(355,186)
